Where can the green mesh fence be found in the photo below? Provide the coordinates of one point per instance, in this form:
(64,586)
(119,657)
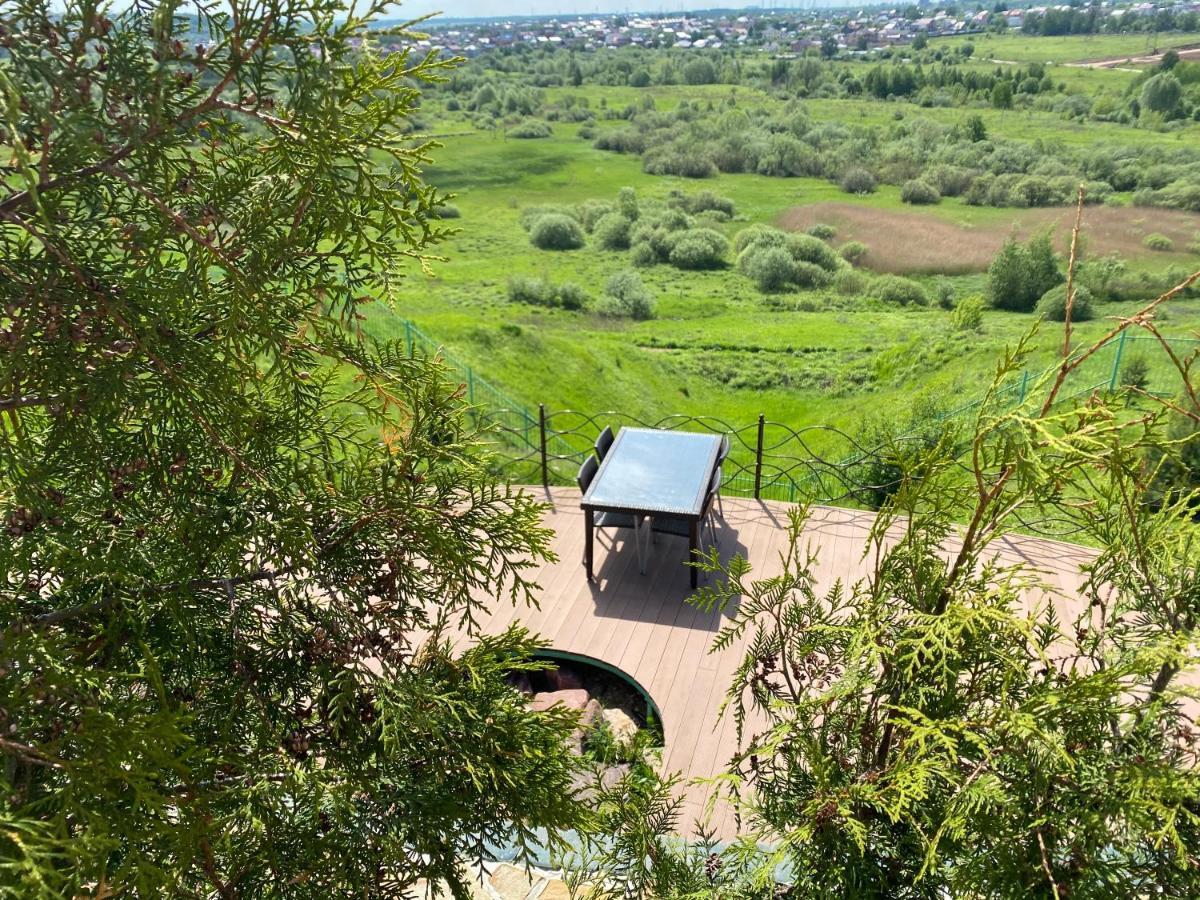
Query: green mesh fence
(769,460)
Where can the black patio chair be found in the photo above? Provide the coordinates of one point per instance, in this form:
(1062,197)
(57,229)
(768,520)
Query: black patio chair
(603,442)
(610,520)
(681,527)
(722,454)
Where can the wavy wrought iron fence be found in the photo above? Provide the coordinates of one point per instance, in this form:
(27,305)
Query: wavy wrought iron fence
(768,460)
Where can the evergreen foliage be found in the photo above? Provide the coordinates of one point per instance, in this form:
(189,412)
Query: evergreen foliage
(1021,273)
(238,532)
(948,725)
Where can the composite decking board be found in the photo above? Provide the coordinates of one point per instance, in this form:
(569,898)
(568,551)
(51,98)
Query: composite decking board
(644,626)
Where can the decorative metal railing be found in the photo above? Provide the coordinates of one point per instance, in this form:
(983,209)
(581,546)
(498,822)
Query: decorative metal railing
(768,460)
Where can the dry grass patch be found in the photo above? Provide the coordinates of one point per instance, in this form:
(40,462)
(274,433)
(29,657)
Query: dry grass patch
(910,242)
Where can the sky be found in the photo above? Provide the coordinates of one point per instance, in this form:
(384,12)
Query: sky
(475,8)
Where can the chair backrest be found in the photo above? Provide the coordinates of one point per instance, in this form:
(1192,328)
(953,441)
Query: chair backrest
(586,473)
(604,442)
(724,451)
(714,486)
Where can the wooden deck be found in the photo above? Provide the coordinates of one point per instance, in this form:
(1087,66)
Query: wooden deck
(642,625)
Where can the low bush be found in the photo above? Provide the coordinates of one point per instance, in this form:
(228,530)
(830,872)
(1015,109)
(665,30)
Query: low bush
(898,290)
(643,255)
(536,291)
(612,232)
(850,283)
(699,248)
(810,275)
(770,268)
(626,296)
(590,212)
(556,232)
(711,218)
(1053,304)
(822,231)
(704,201)
(806,248)
(950,181)
(530,214)
(540,292)
(943,290)
(853,251)
(1159,242)
(447,211)
(684,161)
(758,234)
(858,181)
(968,314)
(531,128)
(919,193)
(572,296)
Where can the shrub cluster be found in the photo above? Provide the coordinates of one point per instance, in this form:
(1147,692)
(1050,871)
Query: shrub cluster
(858,181)
(531,128)
(898,290)
(919,193)
(777,261)
(612,231)
(1053,304)
(556,232)
(698,248)
(540,292)
(699,138)
(853,252)
(702,202)
(625,296)
(1021,273)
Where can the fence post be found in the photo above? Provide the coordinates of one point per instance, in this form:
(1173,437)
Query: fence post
(1024,386)
(542,429)
(1116,370)
(758,453)
(408,337)
(470,385)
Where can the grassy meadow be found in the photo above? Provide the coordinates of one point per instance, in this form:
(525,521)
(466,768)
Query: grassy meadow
(717,346)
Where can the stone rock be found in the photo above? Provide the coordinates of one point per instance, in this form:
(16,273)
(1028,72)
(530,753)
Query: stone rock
(611,775)
(555,890)
(564,679)
(622,727)
(575,742)
(590,713)
(511,883)
(576,699)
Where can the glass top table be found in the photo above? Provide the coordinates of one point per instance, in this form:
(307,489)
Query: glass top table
(651,472)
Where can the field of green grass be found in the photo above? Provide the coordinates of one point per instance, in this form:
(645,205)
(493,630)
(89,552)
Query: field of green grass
(716,345)
(1023,48)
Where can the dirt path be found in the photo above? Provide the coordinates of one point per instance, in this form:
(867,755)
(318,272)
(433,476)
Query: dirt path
(1123,63)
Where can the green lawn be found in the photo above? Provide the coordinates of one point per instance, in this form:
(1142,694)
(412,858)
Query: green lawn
(716,346)
(1024,48)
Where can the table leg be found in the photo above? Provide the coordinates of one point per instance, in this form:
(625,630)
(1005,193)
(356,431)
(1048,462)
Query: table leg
(588,519)
(693,546)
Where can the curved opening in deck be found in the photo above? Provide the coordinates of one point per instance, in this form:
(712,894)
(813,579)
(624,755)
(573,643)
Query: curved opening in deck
(583,662)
